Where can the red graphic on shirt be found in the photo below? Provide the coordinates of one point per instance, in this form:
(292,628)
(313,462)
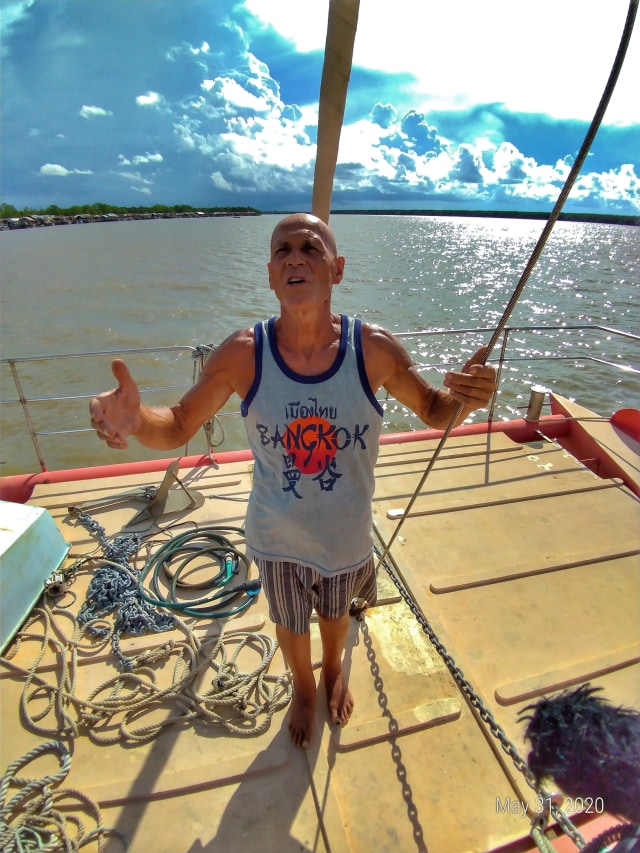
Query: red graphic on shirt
(311,443)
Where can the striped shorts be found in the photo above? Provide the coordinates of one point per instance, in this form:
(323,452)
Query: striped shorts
(293,591)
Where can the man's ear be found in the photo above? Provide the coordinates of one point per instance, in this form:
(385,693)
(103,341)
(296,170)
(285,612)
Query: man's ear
(340,262)
(269,274)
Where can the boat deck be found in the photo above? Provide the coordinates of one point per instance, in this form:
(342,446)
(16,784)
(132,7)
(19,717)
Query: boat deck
(526,598)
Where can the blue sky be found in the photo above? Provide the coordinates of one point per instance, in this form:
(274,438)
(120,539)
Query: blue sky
(465,105)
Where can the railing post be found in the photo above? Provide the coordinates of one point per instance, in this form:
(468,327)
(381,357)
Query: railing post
(503,351)
(27,415)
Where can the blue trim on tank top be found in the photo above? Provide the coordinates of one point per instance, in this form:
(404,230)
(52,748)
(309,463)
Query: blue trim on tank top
(258,342)
(362,372)
(357,344)
(299,377)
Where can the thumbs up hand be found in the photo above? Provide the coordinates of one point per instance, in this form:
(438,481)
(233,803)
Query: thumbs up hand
(115,414)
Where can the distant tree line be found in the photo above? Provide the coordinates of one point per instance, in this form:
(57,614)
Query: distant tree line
(601,218)
(99,208)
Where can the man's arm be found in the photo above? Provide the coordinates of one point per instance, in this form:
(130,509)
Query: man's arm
(388,364)
(118,414)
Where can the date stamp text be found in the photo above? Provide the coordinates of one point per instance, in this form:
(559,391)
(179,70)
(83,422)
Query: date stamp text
(539,805)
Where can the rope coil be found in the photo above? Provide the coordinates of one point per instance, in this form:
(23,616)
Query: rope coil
(114,589)
(242,702)
(31,819)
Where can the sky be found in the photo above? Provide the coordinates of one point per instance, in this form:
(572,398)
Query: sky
(472,105)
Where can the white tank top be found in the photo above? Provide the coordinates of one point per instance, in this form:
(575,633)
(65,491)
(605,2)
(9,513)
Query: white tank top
(315,444)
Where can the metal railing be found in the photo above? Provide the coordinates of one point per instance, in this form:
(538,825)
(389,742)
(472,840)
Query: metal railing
(198,355)
(27,402)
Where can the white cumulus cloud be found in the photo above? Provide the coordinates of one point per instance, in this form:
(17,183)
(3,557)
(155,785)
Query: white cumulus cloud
(56,170)
(134,176)
(93,112)
(220,182)
(140,158)
(150,99)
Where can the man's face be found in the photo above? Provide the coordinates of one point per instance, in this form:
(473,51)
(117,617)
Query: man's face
(304,265)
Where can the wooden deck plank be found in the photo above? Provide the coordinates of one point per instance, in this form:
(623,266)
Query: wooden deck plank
(535,536)
(525,599)
(623,449)
(505,473)
(559,679)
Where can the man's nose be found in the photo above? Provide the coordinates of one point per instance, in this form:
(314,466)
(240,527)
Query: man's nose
(295,257)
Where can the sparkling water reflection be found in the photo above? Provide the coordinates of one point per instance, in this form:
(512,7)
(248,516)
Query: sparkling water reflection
(155,283)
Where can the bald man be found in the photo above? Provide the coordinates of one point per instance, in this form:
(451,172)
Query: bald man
(307,380)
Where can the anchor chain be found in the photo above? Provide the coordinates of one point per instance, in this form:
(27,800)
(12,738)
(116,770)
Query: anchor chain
(121,549)
(114,588)
(484,713)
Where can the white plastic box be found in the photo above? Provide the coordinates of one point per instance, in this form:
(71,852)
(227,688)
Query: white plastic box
(31,548)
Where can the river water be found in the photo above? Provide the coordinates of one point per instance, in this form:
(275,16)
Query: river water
(161,283)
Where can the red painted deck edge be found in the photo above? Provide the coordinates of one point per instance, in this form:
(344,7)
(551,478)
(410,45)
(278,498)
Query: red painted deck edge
(584,447)
(18,488)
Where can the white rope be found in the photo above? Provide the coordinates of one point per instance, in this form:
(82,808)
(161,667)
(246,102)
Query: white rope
(31,820)
(242,702)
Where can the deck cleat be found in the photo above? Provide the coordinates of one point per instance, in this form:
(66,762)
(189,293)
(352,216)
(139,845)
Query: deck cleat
(55,585)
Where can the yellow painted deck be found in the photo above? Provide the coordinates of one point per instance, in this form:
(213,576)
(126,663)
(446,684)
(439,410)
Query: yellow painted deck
(526,565)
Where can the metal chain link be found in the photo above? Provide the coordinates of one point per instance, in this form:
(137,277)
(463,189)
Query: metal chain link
(120,549)
(113,588)
(483,712)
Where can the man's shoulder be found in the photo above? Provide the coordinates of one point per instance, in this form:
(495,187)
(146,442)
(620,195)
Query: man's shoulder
(241,339)
(233,361)
(234,350)
(377,336)
(382,351)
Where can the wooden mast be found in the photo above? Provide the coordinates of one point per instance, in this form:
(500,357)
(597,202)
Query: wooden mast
(341,32)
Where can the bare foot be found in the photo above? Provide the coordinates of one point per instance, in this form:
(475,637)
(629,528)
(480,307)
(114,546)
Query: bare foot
(339,698)
(303,708)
